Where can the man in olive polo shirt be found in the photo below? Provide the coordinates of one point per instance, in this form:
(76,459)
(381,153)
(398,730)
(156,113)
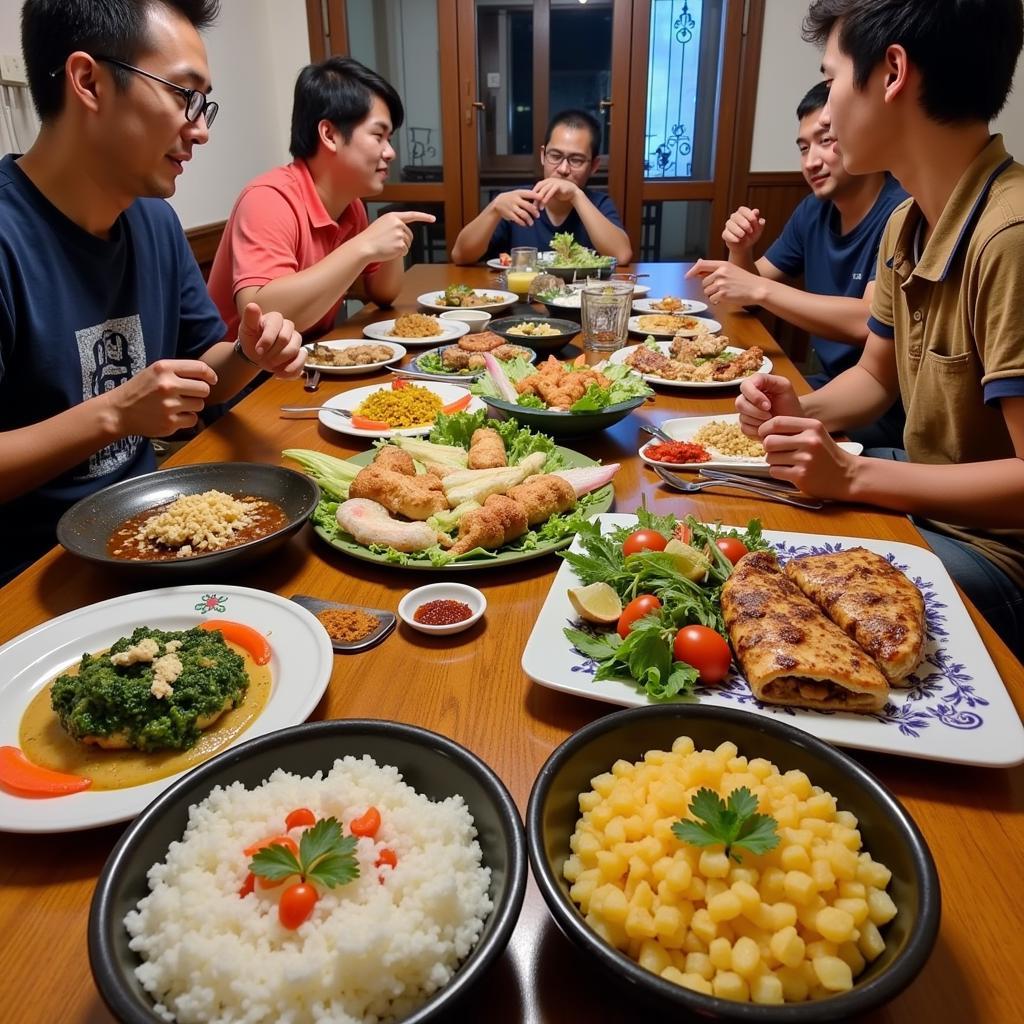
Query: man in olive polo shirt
(946,331)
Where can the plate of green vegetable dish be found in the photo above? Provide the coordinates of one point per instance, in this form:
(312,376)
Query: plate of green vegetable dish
(454,432)
(569,260)
(283,651)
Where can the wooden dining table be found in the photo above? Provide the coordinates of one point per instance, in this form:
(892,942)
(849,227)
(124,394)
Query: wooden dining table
(470,687)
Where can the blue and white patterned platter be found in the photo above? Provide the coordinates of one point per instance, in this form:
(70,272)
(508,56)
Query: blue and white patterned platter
(954,709)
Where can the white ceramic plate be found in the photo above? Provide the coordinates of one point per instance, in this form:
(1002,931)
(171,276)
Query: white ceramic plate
(397,352)
(300,668)
(706,324)
(622,354)
(956,708)
(685,427)
(450,330)
(349,400)
(688,308)
(496,264)
(573,301)
(429,301)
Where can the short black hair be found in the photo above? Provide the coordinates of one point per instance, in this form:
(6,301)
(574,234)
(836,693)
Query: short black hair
(339,90)
(577,119)
(815,99)
(966,50)
(51,30)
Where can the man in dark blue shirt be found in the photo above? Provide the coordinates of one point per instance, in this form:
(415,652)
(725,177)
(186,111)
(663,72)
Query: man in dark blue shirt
(561,202)
(832,240)
(107,334)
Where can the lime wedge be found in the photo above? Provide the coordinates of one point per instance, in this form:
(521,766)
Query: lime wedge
(689,562)
(597,602)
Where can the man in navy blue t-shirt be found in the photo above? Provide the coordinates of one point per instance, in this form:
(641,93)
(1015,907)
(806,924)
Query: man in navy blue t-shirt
(107,334)
(832,241)
(561,202)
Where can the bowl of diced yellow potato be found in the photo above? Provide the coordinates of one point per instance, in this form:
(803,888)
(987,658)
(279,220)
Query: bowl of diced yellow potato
(732,866)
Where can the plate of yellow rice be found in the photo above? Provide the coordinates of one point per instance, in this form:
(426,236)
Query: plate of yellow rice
(407,408)
(414,329)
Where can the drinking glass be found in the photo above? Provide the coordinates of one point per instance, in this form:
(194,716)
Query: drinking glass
(605,315)
(521,270)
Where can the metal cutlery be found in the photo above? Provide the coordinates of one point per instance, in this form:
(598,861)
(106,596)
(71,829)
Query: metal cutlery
(450,378)
(692,487)
(298,412)
(312,381)
(766,483)
(656,432)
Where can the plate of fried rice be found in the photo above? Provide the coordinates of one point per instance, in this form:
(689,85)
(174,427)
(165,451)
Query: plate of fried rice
(399,408)
(413,329)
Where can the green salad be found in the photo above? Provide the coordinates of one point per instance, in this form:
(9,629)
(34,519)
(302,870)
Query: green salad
(625,384)
(569,253)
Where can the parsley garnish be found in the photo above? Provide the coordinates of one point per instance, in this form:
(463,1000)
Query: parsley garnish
(735,824)
(325,856)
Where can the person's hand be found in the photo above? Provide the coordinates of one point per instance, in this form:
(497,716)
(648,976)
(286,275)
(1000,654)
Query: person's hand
(725,282)
(271,342)
(763,396)
(390,236)
(801,451)
(743,229)
(521,206)
(165,397)
(556,188)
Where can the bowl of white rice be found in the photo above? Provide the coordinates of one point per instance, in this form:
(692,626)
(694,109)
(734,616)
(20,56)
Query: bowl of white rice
(172,939)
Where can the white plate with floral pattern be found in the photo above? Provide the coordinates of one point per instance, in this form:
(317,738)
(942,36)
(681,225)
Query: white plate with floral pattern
(955,708)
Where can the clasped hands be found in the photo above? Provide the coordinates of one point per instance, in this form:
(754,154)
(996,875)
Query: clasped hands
(522,206)
(798,449)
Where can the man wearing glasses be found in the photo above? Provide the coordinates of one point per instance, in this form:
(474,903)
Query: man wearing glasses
(560,202)
(107,334)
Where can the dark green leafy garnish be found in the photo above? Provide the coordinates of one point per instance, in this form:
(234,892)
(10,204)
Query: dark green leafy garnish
(736,824)
(325,857)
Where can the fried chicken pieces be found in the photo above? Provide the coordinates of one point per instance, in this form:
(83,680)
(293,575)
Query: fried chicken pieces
(558,387)
(399,490)
(702,358)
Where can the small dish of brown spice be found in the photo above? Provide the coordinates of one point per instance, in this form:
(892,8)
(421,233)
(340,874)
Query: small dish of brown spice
(442,608)
(351,627)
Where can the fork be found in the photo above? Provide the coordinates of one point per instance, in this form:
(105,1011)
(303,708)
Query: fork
(312,411)
(692,487)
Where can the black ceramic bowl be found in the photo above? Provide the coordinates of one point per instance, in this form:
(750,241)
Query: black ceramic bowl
(431,764)
(567,330)
(86,527)
(887,829)
(555,423)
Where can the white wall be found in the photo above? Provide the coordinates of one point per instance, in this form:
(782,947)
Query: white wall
(255,51)
(789,67)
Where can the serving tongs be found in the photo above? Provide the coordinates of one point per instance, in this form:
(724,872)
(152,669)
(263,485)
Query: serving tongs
(763,489)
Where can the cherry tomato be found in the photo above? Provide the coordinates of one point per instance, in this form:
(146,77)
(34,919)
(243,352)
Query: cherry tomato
(248,885)
(636,609)
(285,841)
(297,903)
(683,532)
(732,547)
(367,824)
(300,816)
(388,857)
(705,650)
(643,540)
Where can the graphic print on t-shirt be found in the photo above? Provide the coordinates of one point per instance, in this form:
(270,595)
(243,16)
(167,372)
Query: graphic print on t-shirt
(110,354)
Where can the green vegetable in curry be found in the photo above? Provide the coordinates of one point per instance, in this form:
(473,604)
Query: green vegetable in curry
(114,704)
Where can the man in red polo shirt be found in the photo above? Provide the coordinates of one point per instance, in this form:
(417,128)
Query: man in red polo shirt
(298,236)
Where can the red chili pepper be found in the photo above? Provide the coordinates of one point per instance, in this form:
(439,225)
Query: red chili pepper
(362,423)
(366,824)
(458,405)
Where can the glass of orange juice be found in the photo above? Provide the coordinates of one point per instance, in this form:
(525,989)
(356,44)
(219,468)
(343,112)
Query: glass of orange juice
(521,270)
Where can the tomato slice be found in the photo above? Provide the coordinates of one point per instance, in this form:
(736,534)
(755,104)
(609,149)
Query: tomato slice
(286,841)
(458,405)
(366,824)
(388,857)
(362,423)
(19,775)
(245,636)
(300,816)
(397,385)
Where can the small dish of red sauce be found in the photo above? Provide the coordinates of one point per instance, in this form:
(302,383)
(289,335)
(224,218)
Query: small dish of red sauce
(442,608)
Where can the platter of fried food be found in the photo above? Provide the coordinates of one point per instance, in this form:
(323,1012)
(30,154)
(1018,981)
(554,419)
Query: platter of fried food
(672,325)
(297,659)
(415,329)
(693,361)
(479,493)
(347,356)
(466,356)
(402,407)
(863,643)
(722,446)
(670,304)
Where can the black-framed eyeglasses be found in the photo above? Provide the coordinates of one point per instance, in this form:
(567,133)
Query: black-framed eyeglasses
(554,157)
(196,102)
